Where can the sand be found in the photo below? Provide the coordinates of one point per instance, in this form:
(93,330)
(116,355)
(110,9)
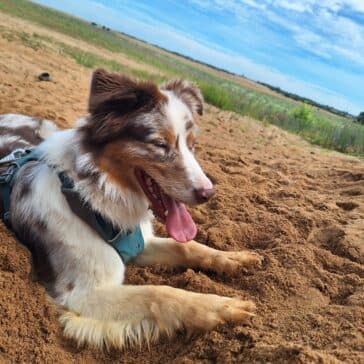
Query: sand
(299,206)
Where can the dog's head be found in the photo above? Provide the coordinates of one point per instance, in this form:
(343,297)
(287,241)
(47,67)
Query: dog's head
(143,137)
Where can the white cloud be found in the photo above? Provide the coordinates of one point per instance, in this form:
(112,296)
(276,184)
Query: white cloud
(309,5)
(323,32)
(314,43)
(299,6)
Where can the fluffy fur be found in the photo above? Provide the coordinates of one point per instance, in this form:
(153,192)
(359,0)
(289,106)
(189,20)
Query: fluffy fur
(130,125)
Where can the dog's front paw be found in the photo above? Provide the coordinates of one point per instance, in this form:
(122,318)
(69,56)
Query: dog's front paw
(233,262)
(213,310)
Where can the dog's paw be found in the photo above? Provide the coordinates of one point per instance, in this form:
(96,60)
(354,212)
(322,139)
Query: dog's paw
(215,310)
(234,309)
(233,262)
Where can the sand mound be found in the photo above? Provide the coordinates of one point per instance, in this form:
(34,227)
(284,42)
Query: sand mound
(300,207)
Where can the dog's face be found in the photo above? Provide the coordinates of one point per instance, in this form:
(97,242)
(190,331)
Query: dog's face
(143,137)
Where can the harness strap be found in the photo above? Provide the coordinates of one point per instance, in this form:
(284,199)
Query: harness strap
(127,244)
(15,161)
(5,191)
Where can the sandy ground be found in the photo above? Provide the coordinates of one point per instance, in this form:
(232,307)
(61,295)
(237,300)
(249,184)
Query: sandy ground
(302,208)
(18,24)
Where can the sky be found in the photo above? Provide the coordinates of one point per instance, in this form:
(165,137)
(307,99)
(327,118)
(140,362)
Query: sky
(312,48)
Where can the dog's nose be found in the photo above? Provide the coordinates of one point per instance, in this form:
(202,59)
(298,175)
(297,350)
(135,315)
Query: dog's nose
(203,194)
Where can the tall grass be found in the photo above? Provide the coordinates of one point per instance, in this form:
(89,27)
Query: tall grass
(216,96)
(319,127)
(344,137)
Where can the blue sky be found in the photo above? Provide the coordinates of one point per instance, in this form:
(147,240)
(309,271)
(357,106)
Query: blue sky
(309,47)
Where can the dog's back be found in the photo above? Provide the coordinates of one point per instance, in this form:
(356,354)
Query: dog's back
(21,131)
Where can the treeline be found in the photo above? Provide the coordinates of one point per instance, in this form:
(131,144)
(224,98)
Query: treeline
(101,26)
(293,96)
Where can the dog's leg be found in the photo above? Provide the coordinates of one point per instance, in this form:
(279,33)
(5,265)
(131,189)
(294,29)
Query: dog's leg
(194,255)
(120,316)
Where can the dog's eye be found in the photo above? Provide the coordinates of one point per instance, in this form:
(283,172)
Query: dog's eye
(160,144)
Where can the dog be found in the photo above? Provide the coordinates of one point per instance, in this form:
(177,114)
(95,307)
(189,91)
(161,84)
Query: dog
(130,160)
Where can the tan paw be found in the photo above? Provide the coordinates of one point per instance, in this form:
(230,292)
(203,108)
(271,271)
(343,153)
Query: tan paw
(232,262)
(216,310)
(234,309)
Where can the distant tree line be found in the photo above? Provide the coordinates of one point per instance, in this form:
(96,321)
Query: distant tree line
(103,26)
(293,96)
(360,118)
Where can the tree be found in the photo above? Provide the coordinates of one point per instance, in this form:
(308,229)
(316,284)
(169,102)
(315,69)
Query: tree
(360,118)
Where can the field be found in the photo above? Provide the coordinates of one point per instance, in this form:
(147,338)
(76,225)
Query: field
(298,205)
(228,92)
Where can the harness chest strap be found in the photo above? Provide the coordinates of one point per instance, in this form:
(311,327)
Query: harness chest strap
(127,244)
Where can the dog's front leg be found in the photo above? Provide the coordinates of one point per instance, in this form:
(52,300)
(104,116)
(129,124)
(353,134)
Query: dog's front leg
(194,255)
(120,316)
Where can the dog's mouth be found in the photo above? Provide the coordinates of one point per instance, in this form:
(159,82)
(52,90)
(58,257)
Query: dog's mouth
(179,223)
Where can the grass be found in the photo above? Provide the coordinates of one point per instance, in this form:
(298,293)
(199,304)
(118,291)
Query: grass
(317,126)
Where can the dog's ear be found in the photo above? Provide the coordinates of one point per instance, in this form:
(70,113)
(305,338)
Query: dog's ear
(188,92)
(113,98)
(111,93)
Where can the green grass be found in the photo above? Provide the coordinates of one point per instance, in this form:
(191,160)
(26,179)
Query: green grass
(318,126)
(216,96)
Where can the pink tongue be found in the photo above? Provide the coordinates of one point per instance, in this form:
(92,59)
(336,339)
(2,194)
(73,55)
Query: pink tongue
(180,225)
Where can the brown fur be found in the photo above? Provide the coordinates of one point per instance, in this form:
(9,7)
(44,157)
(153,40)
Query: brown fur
(114,101)
(195,255)
(168,135)
(189,125)
(9,147)
(25,133)
(126,121)
(188,92)
(191,139)
(120,158)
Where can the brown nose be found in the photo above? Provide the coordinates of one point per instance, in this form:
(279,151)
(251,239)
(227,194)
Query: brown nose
(203,195)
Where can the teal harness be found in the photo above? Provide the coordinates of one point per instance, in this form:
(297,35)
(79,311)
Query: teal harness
(127,244)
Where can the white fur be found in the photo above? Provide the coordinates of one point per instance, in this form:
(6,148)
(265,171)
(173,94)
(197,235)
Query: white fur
(9,139)
(14,121)
(47,128)
(113,333)
(43,128)
(178,115)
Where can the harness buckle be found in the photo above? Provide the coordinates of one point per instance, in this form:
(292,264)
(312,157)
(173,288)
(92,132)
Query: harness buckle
(14,155)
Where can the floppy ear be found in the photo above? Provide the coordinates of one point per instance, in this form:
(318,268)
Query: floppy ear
(113,98)
(188,92)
